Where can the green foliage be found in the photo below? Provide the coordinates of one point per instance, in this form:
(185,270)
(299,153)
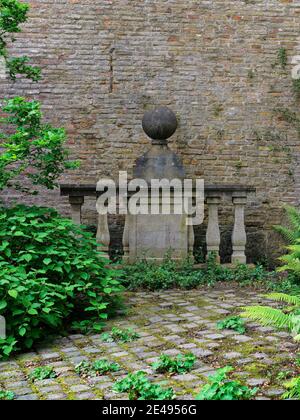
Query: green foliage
(34,150)
(43,372)
(275,317)
(169,274)
(117,334)
(50,274)
(293,389)
(291,261)
(99,367)
(235,323)
(296,87)
(179,364)
(220,388)
(290,233)
(6,395)
(140,388)
(12,14)
(282,57)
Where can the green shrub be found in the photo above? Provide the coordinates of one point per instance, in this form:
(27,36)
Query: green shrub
(179,364)
(235,323)
(170,274)
(7,395)
(30,149)
(43,372)
(220,388)
(140,388)
(117,334)
(12,14)
(50,274)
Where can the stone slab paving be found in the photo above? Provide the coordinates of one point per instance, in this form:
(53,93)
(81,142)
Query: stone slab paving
(168,322)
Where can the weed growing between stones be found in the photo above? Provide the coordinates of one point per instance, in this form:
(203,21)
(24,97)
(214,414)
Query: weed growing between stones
(7,395)
(139,387)
(98,367)
(235,323)
(43,372)
(179,364)
(117,334)
(220,388)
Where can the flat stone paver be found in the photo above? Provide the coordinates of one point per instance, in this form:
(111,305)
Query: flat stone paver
(169,322)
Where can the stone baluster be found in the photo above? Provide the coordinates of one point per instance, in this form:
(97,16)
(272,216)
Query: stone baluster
(103,236)
(126,239)
(76,203)
(191,241)
(213,237)
(239,237)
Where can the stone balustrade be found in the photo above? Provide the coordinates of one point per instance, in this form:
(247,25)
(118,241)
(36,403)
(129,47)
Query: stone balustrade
(215,196)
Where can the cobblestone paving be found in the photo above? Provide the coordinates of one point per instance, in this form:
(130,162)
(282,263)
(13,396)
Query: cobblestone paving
(168,322)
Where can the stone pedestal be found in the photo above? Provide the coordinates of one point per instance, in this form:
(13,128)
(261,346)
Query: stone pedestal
(155,236)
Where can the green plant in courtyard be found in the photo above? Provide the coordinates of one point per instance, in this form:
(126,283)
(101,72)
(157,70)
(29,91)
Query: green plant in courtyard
(98,367)
(235,323)
(140,388)
(6,395)
(118,334)
(34,149)
(293,389)
(219,387)
(12,14)
(288,319)
(290,233)
(43,372)
(169,274)
(50,274)
(182,363)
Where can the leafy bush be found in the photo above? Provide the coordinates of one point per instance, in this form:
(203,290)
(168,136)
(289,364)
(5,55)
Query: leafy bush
(99,367)
(7,395)
(169,274)
(50,274)
(235,323)
(34,150)
(12,14)
(220,388)
(43,372)
(179,364)
(140,388)
(289,319)
(117,334)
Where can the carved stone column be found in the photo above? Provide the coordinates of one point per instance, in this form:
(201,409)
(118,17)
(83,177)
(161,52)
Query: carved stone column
(239,237)
(76,203)
(213,237)
(126,239)
(103,236)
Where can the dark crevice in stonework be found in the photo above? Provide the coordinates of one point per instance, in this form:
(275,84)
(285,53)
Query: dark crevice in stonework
(111,70)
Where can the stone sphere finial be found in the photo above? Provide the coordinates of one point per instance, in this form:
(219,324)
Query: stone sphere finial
(160,124)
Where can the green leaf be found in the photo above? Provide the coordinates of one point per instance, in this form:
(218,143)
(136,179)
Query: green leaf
(13,293)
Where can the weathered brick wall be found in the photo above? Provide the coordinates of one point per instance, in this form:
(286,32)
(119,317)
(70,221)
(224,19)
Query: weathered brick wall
(213,62)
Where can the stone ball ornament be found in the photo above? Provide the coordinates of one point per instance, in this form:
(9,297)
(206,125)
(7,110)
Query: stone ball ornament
(159,123)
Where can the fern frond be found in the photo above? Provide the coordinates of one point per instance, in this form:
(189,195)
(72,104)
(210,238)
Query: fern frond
(293,217)
(268,316)
(288,235)
(283,297)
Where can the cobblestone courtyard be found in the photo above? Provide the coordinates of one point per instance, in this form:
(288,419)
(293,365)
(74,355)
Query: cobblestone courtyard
(168,322)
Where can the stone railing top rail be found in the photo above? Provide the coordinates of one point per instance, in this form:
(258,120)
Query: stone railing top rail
(81,190)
